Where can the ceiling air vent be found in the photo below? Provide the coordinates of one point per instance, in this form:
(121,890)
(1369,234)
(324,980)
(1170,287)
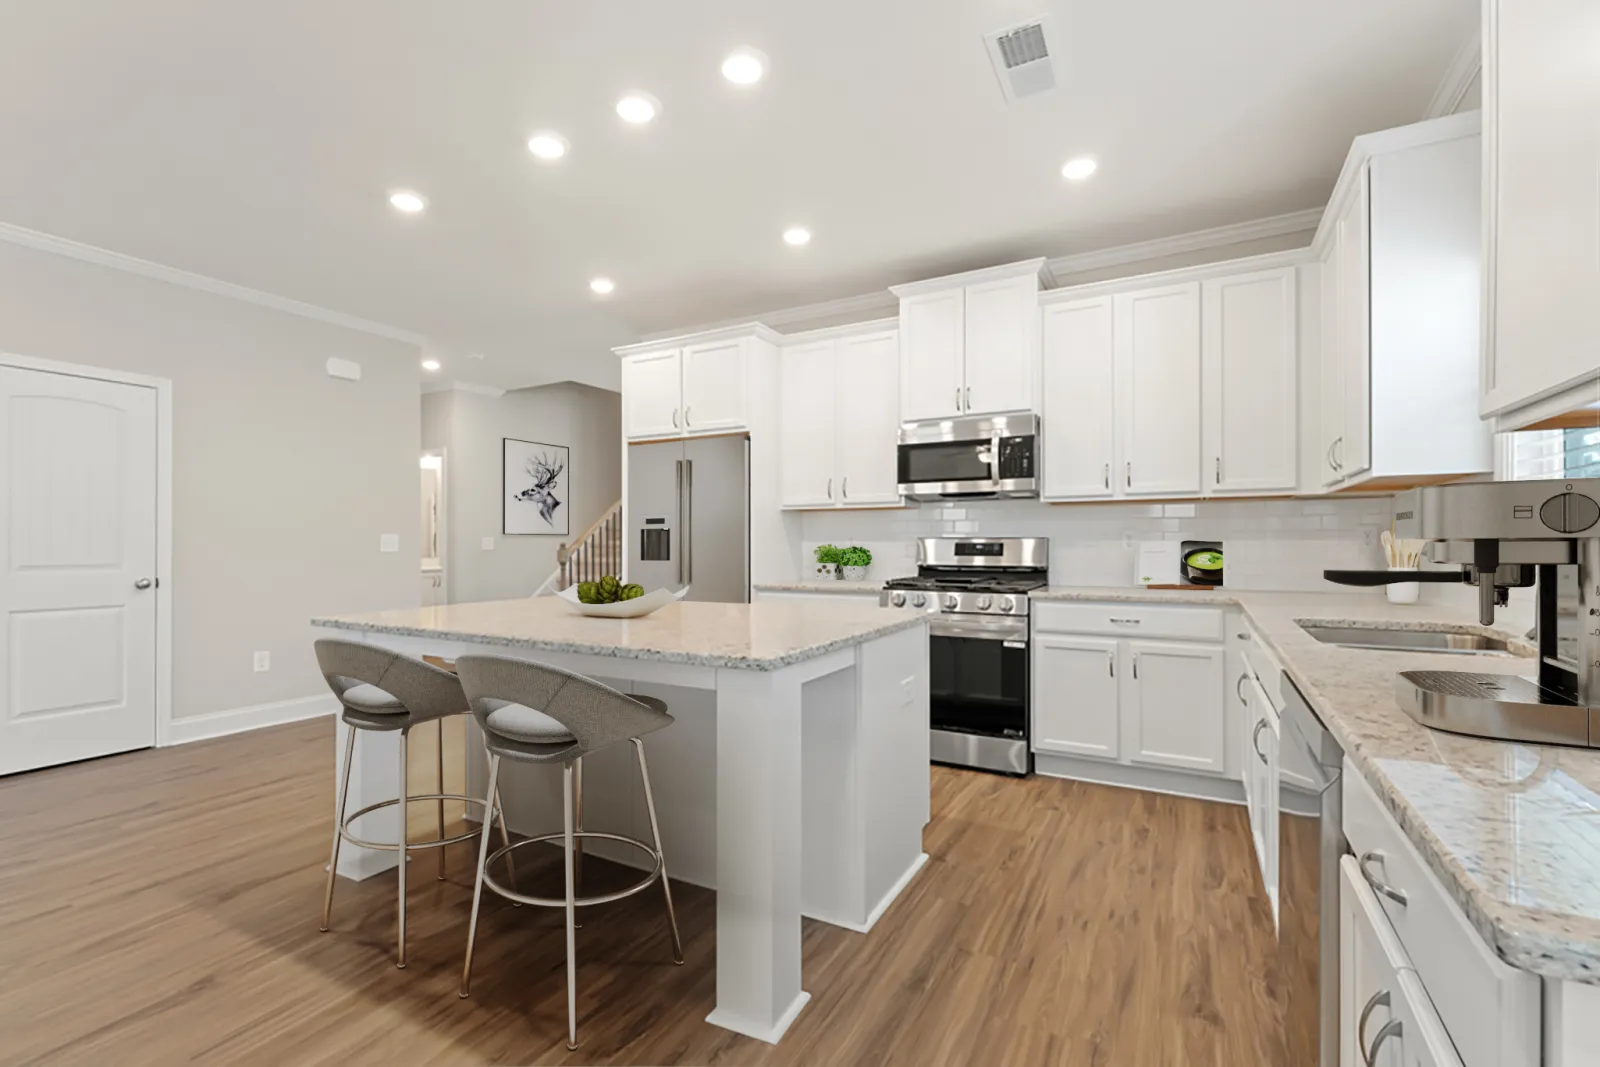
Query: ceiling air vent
(1024,58)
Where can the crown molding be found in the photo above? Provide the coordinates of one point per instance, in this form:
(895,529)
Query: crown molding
(104,257)
(1294,257)
(743,328)
(1466,65)
(849,329)
(1027,268)
(1197,241)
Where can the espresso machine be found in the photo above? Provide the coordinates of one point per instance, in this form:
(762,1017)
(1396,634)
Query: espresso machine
(1503,536)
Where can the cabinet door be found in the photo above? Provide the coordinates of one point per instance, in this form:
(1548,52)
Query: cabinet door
(1173,706)
(1075,703)
(1158,362)
(1330,365)
(1541,93)
(1001,350)
(932,340)
(806,425)
(714,387)
(1370,961)
(651,395)
(1248,356)
(1079,399)
(1265,742)
(1354,450)
(1426,1041)
(867,429)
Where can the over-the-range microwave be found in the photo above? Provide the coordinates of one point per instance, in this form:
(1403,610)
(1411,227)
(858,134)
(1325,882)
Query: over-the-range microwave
(979,456)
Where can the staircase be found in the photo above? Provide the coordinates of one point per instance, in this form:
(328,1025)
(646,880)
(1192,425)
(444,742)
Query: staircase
(596,552)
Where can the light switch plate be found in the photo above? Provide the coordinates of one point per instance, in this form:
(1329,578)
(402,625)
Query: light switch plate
(388,542)
(488,544)
(262,661)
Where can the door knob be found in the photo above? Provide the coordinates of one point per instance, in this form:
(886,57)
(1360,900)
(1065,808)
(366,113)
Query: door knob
(143,583)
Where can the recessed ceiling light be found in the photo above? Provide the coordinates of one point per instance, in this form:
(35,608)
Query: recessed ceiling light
(547,145)
(638,108)
(602,285)
(744,66)
(797,235)
(407,201)
(430,364)
(1078,169)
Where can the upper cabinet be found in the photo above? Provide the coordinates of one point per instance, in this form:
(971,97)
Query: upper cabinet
(969,343)
(1541,93)
(839,418)
(1182,389)
(692,385)
(1399,256)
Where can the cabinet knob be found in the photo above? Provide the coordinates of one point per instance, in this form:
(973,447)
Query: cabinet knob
(143,583)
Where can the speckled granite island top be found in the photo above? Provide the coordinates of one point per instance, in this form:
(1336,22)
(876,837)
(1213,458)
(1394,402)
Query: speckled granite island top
(1511,830)
(761,637)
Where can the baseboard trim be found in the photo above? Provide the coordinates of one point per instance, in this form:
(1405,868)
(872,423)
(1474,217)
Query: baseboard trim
(1149,779)
(256,716)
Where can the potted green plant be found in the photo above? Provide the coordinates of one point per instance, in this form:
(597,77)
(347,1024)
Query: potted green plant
(828,559)
(855,560)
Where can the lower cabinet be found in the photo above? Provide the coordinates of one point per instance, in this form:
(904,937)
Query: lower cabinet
(1077,709)
(1173,706)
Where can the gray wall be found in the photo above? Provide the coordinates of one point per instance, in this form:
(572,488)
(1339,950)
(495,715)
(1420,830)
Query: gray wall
(283,479)
(470,427)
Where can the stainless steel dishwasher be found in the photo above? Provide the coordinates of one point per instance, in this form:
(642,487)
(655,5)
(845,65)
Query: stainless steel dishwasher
(1310,842)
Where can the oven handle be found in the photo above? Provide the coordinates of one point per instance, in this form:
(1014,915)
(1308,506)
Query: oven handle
(997,630)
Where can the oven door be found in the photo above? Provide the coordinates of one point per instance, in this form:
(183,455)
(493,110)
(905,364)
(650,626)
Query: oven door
(937,469)
(978,693)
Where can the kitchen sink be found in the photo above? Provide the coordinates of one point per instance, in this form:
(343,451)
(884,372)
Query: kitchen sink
(1385,639)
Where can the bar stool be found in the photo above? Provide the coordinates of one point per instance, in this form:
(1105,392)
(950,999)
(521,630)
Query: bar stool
(534,713)
(384,691)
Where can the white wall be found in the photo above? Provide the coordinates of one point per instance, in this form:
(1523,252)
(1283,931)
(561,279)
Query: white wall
(470,427)
(283,478)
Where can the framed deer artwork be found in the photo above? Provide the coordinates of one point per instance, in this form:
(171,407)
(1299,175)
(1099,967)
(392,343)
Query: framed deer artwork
(535,498)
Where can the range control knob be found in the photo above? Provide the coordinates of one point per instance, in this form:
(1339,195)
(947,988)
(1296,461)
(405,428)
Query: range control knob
(1008,604)
(1570,513)
(919,601)
(984,602)
(897,599)
(951,602)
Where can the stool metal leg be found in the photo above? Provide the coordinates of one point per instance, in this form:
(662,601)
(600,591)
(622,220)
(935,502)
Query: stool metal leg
(572,910)
(655,835)
(440,755)
(492,800)
(338,824)
(577,820)
(402,808)
(505,839)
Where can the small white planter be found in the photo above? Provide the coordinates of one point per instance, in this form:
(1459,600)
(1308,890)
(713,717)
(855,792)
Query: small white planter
(1403,592)
(827,571)
(855,574)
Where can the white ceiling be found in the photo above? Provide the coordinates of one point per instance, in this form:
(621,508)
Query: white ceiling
(257,142)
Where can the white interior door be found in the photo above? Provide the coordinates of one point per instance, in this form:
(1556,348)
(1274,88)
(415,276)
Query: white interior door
(77,541)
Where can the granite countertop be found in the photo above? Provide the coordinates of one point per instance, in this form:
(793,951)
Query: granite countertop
(1512,830)
(822,585)
(761,637)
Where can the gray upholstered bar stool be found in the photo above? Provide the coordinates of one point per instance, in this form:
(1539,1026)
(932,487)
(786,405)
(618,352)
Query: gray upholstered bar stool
(386,692)
(534,713)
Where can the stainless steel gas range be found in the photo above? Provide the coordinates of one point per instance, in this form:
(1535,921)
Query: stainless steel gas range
(980,677)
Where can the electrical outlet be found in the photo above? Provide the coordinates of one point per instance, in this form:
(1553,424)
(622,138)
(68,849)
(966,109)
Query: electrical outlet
(1368,537)
(263,661)
(488,544)
(388,542)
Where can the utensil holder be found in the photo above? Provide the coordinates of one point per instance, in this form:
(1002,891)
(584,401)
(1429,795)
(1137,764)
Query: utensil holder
(1403,592)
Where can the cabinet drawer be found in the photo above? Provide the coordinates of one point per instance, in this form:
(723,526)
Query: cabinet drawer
(1130,620)
(1490,1009)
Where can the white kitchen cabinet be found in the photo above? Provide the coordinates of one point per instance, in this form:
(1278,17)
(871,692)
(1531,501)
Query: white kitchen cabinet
(1425,1042)
(1079,400)
(432,589)
(1249,350)
(1157,340)
(839,419)
(1541,93)
(969,344)
(806,425)
(1261,781)
(1174,705)
(652,394)
(1078,704)
(1400,253)
(1371,959)
(714,386)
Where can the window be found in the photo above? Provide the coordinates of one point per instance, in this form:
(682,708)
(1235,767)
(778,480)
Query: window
(1553,454)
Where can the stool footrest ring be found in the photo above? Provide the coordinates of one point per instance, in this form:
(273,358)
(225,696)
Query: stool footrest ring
(646,882)
(410,846)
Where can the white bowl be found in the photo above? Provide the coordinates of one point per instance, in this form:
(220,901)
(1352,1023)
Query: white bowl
(636,608)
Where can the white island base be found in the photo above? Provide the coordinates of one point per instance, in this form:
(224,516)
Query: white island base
(793,789)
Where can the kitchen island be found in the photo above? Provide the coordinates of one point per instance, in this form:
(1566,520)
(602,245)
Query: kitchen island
(794,781)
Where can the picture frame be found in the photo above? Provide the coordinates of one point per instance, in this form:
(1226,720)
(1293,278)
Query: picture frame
(536,488)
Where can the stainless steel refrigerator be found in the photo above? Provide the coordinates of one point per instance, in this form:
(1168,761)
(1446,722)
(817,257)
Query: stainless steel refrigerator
(689,517)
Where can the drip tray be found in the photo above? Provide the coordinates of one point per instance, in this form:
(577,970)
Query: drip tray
(1504,707)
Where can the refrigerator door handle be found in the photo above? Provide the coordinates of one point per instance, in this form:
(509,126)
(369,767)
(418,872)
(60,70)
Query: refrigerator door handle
(688,521)
(683,530)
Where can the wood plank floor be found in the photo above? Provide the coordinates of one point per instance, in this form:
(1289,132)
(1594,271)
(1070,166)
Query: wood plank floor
(161,908)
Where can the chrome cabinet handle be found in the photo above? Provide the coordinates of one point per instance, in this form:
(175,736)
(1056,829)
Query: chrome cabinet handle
(1338,454)
(1380,999)
(1238,688)
(686,417)
(1130,474)
(1392,1028)
(958,398)
(1255,739)
(1396,895)
(143,583)
(830,488)
(969,398)
(844,488)
(1111,664)
(674,418)
(1125,622)
(1108,476)
(1219,470)
(1136,666)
